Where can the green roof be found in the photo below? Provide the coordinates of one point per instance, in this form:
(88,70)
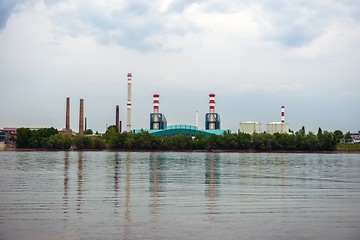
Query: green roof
(182,129)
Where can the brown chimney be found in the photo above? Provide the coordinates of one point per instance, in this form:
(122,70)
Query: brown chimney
(81,117)
(67,121)
(117,120)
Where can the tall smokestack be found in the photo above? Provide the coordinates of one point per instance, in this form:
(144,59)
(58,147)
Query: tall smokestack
(197,119)
(128,126)
(67,121)
(212,111)
(156,112)
(81,117)
(117,120)
(282,114)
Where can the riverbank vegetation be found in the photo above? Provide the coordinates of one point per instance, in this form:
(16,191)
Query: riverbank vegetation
(50,139)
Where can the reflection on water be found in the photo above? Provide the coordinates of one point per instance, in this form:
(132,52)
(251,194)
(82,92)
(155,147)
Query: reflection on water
(127,229)
(66,182)
(212,181)
(80,182)
(117,167)
(116,195)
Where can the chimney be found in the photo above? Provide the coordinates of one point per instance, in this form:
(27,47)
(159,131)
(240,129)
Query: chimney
(128,127)
(117,119)
(212,111)
(282,114)
(156,124)
(81,117)
(67,121)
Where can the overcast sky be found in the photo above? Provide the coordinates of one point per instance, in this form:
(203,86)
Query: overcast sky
(255,55)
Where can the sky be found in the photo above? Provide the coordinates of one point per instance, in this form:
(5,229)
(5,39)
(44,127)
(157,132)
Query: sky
(255,55)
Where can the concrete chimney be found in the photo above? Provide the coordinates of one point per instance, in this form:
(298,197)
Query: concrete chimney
(81,117)
(128,126)
(156,124)
(117,119)
(67,121)
(212,111)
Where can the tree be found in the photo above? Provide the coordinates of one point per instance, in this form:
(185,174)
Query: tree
(88,132)
(243,140)
(339,136)
(23,137)
(229,141)
(319,131)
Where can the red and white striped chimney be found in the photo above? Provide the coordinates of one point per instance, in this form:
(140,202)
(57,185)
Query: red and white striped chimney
(128,126)
(282,114)
(212,111)
(156,124)
(212,103)
(156,103)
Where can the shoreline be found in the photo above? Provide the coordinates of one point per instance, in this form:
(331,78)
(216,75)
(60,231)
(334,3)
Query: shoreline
(194,151)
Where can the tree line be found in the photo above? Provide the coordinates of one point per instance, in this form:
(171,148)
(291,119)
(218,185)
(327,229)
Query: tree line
(49,138)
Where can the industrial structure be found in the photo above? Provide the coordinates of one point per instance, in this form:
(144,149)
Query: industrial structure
(157,120)
(117,119)
(278,127)
(212,119)
(250,127)
(158,123)
(81,117)
(128,126)
(67,130)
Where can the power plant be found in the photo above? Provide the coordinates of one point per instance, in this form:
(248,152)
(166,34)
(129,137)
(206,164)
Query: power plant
(159,127)
(279,127)
(158,121)
(251,127)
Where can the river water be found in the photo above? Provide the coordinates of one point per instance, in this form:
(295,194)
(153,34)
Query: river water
(170,195)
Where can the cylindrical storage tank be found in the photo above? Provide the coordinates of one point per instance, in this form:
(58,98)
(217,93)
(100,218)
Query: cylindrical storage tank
(277,127)
(250,127)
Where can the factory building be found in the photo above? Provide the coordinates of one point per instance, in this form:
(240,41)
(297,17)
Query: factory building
(250,127)
(158,123)
(277,127)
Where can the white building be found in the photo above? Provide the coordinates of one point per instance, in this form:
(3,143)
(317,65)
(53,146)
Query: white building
(250,127)
(277,127)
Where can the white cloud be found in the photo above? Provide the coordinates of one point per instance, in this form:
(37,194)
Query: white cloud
(253,54)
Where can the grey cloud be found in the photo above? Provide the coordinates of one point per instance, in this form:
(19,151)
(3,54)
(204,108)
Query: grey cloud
(130,27)
(6,9)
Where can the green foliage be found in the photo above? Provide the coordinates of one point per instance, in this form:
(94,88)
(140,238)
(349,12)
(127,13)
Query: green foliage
(88,132)
(27,138)
(59,142)
(49,138)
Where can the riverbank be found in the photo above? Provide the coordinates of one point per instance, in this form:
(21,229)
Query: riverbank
(342,148)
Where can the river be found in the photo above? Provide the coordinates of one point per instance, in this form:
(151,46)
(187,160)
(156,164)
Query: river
(172,195)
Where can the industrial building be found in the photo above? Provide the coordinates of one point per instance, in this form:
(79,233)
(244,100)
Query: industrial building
(159,125)
(250,127)
(278,127)
(158,122)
